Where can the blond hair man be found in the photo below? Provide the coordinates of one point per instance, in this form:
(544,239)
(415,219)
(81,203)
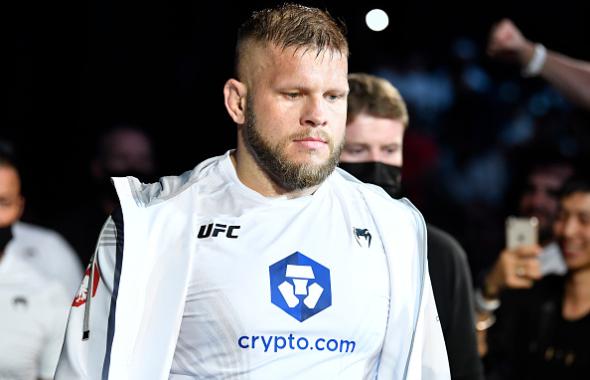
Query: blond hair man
(266,262)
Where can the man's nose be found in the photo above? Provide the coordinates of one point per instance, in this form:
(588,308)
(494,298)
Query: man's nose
(314,113)
(374,155)
(541,198)
(570,227)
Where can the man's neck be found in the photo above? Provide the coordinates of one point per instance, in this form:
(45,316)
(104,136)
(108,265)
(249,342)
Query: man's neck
(253,176)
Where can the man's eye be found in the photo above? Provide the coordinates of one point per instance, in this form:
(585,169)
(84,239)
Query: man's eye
(292,95)
(334,97)
(354,150)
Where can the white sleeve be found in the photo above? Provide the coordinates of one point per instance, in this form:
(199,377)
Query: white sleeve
(89,331)
(55,317)
(428,358)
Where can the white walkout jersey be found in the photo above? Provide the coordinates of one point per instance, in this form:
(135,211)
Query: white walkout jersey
(199,277)
(283,288)
(49,253)
(33,313)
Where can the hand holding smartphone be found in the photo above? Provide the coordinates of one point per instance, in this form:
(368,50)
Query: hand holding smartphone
(518,265)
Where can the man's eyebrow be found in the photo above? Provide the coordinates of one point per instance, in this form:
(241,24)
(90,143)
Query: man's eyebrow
(356,143)
(289,86)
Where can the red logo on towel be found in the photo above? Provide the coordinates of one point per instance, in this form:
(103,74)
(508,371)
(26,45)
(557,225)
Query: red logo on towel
(82,294)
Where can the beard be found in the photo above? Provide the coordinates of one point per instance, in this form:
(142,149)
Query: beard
(289,175)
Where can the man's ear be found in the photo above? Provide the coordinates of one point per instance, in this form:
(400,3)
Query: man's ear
(234,93)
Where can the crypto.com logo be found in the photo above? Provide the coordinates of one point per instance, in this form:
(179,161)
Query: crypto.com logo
(300,286)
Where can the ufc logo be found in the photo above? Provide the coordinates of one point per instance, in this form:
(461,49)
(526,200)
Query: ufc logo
(214,229)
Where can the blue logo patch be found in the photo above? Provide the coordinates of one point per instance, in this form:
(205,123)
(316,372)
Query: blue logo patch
(300,286)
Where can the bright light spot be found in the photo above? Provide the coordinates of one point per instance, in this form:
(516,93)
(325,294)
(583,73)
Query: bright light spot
(377,20)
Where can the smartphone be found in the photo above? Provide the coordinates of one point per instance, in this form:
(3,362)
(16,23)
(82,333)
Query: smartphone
(521,231)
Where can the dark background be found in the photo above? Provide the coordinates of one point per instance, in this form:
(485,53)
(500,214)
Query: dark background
(80,67)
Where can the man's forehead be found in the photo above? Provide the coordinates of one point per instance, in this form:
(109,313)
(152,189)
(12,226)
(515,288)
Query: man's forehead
(577,199)
(383,129)
(297,49)
(558,170)
(552,178)
(258,57)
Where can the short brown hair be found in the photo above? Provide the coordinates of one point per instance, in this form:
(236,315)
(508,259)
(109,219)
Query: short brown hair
(292,25)
(376,97)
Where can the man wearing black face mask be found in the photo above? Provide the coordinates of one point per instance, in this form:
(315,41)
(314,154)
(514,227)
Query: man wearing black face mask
(377,119)
(33,302)
(5,236)
(43,249)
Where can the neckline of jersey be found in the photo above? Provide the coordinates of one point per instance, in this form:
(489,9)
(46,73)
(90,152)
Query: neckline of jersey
(229,171)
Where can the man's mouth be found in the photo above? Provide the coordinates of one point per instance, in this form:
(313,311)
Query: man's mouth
(311,142)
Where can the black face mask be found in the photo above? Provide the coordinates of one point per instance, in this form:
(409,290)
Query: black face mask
(5,236)
(389,177)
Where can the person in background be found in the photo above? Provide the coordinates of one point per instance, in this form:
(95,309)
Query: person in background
(518,268)
(570,76)
(543,332)
(122,150)
(521,267)
(373,152)
(42,248)
(33,303)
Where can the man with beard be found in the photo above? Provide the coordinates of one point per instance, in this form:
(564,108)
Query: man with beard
(520,267)
(266,262)
(377,120)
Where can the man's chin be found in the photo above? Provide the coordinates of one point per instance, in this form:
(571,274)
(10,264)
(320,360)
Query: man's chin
(310,166)
(311,159)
